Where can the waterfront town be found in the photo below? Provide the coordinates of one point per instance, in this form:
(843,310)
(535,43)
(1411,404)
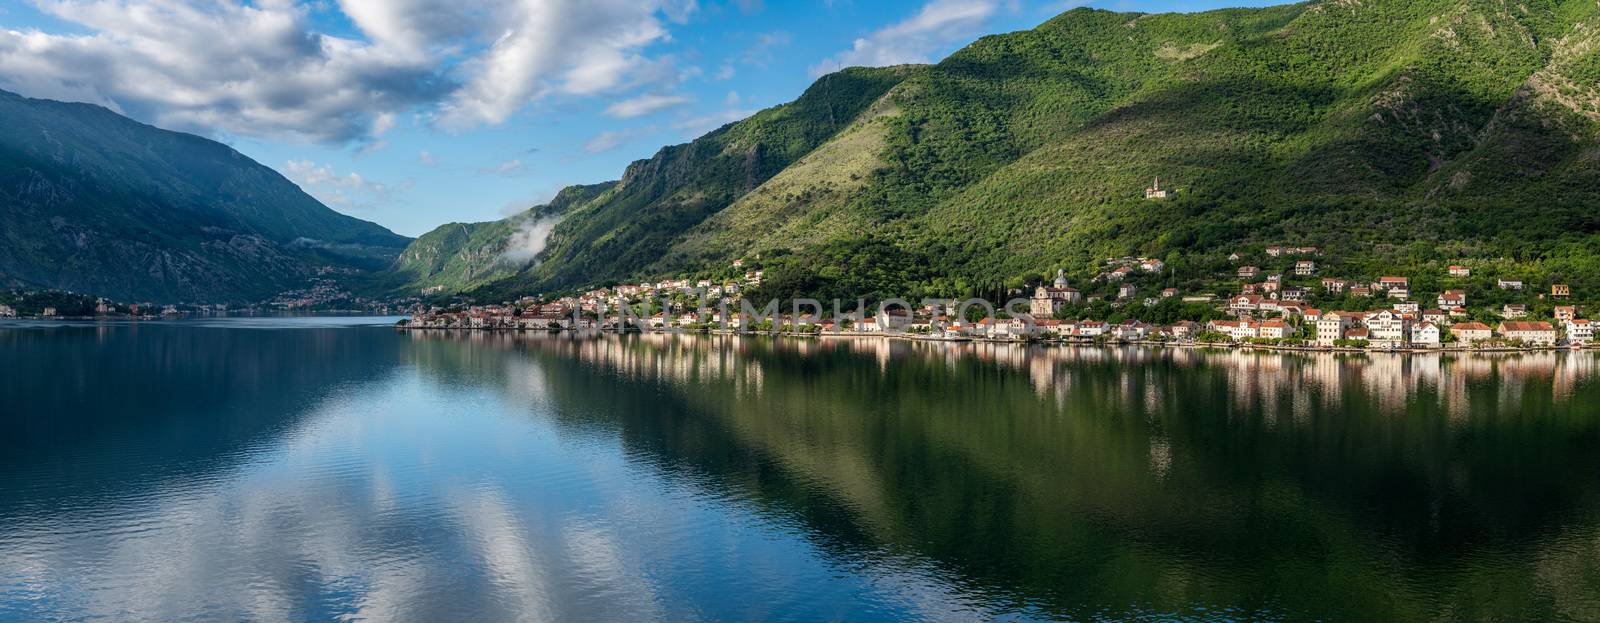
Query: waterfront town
(1295,307)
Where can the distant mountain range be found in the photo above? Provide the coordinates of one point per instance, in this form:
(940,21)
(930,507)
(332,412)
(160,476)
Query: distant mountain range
(95,202)
(1390,132)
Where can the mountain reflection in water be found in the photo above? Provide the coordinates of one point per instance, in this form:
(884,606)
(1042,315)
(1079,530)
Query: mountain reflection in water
(326,472)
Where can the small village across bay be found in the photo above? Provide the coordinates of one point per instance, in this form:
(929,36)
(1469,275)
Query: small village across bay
(1290,307)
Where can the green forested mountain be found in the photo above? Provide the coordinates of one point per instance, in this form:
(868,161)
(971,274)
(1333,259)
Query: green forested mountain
(95,202)
(1392,133)
(456,256)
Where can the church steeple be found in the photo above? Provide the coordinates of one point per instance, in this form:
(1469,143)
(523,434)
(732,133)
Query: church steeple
(1155,191)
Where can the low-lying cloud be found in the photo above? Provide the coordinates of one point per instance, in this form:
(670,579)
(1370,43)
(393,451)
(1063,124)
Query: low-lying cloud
(530,239)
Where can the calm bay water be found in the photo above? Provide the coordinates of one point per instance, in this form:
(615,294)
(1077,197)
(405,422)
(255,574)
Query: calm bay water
(322,469)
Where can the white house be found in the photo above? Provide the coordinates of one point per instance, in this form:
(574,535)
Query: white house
(1390,283)
(1244,303)
(1236,329)
(1007,328)
(1388,328)
(1426,334)
(1131,330)
(1580,331)
(1331,327)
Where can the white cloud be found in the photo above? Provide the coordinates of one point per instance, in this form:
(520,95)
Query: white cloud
(370,147)
(509,168)
(529,239)
(308,173)
(426,157)
(760,53)
(349,190)
(261,68)
(417,25)
(939,24)
(644,105)
(679,10)
(577,47)
(612,139)
(382,123)
(216,66)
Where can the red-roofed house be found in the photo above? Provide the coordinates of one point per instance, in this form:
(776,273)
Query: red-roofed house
(1529,332)
(1471,332)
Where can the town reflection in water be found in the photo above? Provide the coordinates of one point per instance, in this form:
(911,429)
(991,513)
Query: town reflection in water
(1085,481)
(267,470)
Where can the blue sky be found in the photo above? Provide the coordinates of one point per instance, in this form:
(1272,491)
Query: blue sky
(414,113)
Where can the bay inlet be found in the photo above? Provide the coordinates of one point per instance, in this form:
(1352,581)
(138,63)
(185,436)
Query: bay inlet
(321,469)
